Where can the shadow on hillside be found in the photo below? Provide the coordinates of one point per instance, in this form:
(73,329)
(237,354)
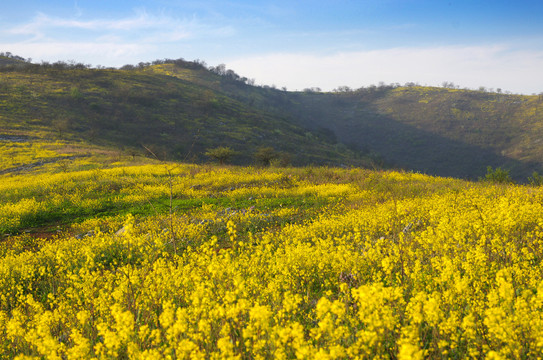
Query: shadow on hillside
(419,150)
(415,149)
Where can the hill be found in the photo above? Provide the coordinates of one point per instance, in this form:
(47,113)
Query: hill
(137,107)
(440,131)
(447,132)
(11,60)
(180,109)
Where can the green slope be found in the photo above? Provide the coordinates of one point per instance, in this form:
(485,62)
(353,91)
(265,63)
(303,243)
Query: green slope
(175,118)
(447,132)
(180,109)
(441,131)
(10,61)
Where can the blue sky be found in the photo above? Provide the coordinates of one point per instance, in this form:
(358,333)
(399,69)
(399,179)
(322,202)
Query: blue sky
(297,44)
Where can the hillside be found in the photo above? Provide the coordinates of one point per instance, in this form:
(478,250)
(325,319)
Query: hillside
(10,60)
(447,132)
(134,109)
(179,109)
(440,131)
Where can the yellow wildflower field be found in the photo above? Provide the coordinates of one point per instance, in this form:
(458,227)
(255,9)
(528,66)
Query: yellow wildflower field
(174,261)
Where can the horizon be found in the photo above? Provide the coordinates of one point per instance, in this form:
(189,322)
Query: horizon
(319,44)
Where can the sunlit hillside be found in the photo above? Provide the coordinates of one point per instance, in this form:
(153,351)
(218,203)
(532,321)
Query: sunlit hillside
(137,108)
(109,255)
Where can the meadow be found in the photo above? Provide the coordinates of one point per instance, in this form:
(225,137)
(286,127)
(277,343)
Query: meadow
(108,256)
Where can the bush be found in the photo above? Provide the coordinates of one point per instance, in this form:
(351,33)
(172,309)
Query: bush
(499,176)
(282,159)
(223,154)
(536,179)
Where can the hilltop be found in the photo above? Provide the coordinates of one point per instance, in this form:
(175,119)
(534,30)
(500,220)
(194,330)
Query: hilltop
(7,59)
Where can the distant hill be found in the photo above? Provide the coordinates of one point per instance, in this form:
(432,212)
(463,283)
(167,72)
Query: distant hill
(5,61)
(179,109)
(447,132)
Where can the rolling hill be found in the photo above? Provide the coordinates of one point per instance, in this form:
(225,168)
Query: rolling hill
(179,109)
(134,109)
(439,131)
(446,132)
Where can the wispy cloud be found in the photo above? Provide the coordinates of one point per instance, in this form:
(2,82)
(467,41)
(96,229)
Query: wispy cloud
(496,66)
(41,23)
(81,51)
(141,24)
(112,41)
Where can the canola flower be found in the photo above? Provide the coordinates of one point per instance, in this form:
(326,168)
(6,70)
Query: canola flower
(21,152)
(310,264)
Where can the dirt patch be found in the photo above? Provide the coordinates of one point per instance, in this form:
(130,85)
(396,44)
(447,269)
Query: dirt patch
(14,138)
(27,167)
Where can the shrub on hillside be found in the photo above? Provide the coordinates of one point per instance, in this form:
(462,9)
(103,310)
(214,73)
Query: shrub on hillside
(498,175)
(536,179)
(222,154)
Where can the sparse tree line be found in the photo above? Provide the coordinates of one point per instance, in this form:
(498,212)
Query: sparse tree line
(502,176)
(382,86)
(221,70)
(14,57)
(27,64)
(230,74)
(268,156)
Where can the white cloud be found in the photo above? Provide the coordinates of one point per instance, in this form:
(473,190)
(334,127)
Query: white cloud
(104,53)
(497,66)
(111,42)
(42,22)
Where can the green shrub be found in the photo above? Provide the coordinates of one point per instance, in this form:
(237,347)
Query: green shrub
(265,155)
(536,179)
(498,175)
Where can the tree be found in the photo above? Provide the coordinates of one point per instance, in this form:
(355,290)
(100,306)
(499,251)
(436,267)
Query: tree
(219,69)
(342,89)
(223,154)
(61,125)
(283,159)
(265,155)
